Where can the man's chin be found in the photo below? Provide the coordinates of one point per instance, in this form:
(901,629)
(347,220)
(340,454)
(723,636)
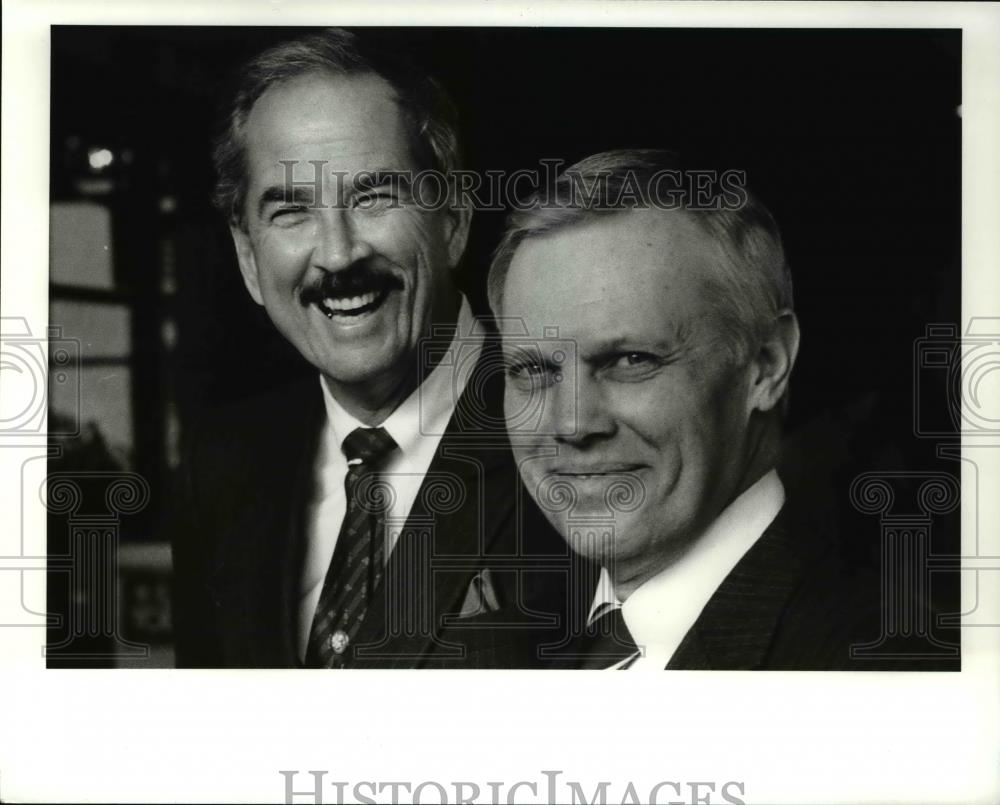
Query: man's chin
(361,370)
(353,374)
(603,542)
(592,542)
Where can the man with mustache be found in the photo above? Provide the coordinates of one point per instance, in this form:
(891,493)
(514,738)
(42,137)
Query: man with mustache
(656,448)
(344,522)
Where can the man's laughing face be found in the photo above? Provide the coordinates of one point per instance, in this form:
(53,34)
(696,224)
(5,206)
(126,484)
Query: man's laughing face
(348,267)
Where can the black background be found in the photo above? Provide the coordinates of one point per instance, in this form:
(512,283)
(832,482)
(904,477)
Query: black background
(851,137)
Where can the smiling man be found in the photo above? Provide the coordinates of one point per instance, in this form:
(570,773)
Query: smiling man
(343,522)
(348,267)
(659,430)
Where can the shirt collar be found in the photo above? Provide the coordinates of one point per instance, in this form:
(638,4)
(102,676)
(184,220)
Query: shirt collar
(604,595)
(661,610)
(428,408)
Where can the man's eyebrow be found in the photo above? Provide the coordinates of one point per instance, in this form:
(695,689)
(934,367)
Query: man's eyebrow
(370,179)
(670,344)
(524,352)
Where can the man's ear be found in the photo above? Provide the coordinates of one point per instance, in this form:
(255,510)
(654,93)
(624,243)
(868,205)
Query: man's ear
(248,264)
(772,365)
(457,219)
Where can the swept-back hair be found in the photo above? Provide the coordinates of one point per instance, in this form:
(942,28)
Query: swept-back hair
(428,113)
(746,290)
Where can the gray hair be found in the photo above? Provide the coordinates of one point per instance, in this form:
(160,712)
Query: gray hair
(429,114)
(748,288)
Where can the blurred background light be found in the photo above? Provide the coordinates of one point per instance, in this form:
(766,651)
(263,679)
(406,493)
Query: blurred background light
(100,158)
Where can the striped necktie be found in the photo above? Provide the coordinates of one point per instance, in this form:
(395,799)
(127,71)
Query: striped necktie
(607,641)
(356,568)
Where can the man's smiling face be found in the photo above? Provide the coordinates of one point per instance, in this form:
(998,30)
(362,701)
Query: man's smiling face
(353,277)
(649,400)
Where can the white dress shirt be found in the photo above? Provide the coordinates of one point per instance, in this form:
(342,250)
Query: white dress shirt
(416,426)
(664,608)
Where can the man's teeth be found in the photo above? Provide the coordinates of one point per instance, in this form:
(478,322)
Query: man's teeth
(351,302)
(348,304)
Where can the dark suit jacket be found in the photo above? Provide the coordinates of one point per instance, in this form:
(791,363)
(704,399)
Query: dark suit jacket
(793,602)
(239,527)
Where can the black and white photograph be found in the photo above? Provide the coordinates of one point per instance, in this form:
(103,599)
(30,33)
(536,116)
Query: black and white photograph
(507,350)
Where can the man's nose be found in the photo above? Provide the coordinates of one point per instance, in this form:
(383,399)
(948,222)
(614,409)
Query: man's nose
(578,412)
(339,244)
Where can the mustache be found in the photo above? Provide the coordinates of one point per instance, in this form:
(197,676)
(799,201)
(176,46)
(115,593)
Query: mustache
(357,280)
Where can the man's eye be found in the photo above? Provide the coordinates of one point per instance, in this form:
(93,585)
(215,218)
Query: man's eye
(288,216)
(629,366)
(530,373)
(635,359)
(523,369)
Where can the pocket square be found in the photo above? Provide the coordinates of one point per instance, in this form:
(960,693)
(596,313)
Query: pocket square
(481,596)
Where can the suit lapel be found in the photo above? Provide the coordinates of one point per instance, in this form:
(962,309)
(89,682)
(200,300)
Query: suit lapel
(735,629)
(461,511)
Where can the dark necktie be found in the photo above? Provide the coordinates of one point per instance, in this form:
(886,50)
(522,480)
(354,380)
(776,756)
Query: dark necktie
(356,568)
(607,640)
